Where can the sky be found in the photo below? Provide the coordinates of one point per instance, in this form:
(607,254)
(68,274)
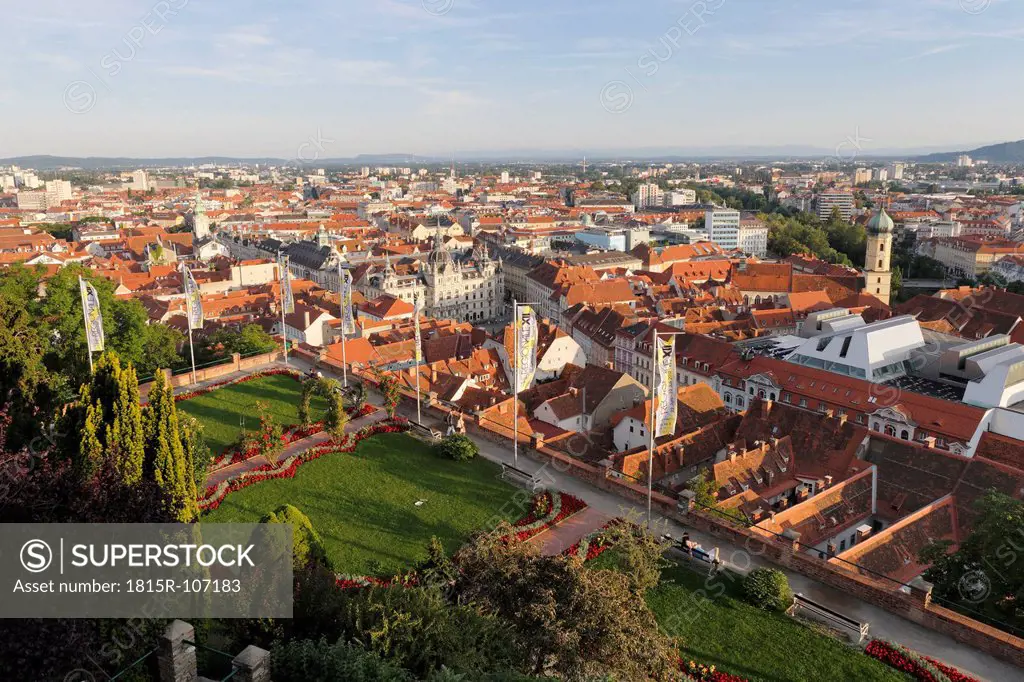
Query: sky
(335,78)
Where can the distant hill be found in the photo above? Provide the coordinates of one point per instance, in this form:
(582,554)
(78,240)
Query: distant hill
(1005,152)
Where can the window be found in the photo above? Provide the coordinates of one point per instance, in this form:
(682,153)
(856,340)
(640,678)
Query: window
(890,430)
(842,545)
(739,401)
(803,402)
(904,435)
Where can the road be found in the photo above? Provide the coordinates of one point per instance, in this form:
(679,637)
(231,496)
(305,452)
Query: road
(884,625)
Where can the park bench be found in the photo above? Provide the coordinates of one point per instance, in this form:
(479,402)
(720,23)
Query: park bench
(855,630)
(520,477)
(426,431)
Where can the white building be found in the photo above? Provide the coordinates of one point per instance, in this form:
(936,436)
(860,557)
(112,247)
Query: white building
(647,195)
(679,197)
(723,227)
(835,199)
(57,191)
(862,176)
(752,238)
(964,161)
(140,181)
(876,352)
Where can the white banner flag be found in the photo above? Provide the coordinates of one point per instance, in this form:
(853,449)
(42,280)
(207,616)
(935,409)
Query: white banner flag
(348,320)
(665,391)
(526,350)
(287,300)
(93,316)
(416,317)
(193,299)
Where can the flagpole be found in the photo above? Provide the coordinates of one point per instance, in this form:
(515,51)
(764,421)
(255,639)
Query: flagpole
(650,452)
(282,279)
(344,321)
(515,386)
(192,351)
(418,355)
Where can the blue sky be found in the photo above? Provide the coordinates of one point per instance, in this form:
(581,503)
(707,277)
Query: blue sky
(198,77)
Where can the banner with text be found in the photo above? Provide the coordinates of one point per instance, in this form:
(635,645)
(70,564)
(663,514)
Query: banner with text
(526,350)
(665,391)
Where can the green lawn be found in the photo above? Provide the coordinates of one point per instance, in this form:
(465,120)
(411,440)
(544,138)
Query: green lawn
(363,504)
(745,641)
(222,411)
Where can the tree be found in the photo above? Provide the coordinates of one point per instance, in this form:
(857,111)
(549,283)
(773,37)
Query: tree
(639,555)
(457,447)
(418,630)
(569,620)
(437,568)
(897,280)
(116,389)
(981,575)
(195,448)
(166,459)
(705,490)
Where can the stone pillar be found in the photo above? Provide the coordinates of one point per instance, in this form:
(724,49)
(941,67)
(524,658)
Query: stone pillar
(921,591)
(687,502)
(253,665)
(175,659)
(790,540)
(536,440)
(236,358)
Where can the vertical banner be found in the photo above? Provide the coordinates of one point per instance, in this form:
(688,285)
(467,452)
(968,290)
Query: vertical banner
(193,300)
(93,316)
(665,410)
(526,350)
(416,321)
(348,320)
(287,301)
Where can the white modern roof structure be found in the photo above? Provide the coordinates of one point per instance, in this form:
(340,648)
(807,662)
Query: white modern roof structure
(876,351)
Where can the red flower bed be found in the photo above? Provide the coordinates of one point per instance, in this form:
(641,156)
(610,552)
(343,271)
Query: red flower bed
(595,543)
(914,664)
(366,409)
(557,508)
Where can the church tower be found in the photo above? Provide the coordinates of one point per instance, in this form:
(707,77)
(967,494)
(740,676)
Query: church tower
(877,260)
(200,221)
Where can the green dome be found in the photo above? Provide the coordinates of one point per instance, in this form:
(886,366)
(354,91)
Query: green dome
(881,223)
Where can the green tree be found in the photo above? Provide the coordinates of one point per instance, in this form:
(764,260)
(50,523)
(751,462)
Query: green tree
(117,389)
(166,458)
(767,589)
(981,574)
(437,568)
(90,453)
(638,555)
(569,620)
(705,490)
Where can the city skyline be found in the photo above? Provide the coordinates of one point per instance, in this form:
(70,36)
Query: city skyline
(180,78)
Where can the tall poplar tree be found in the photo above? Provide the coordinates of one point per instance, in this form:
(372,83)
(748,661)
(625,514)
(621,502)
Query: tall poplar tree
(167,460)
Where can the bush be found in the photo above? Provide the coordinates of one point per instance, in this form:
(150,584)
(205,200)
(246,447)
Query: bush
(457,447)
(768,589)
(306,542)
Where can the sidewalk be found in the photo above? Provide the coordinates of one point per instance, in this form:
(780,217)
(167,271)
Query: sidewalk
(884,625)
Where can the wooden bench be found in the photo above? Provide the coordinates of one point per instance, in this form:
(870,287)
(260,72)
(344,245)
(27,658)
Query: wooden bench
(520,477)
(433,434)
(855,630)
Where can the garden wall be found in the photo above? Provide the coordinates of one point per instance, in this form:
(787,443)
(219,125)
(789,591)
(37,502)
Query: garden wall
(235,363)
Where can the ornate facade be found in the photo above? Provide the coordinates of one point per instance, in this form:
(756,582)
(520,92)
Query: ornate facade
(470,290)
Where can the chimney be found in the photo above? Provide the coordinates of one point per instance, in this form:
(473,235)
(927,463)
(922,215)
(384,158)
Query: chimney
(828,481)
(305,317)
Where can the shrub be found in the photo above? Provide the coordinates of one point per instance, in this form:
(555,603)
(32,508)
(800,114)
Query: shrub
(306,543)
(457,447)
(768,589)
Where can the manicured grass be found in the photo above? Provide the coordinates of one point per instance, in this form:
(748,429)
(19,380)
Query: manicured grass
(222,411)
(718,628)
(363,504)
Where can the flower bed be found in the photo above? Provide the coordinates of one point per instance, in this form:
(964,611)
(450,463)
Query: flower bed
(556,508)
(914,664)
(213,495)
(592,545)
